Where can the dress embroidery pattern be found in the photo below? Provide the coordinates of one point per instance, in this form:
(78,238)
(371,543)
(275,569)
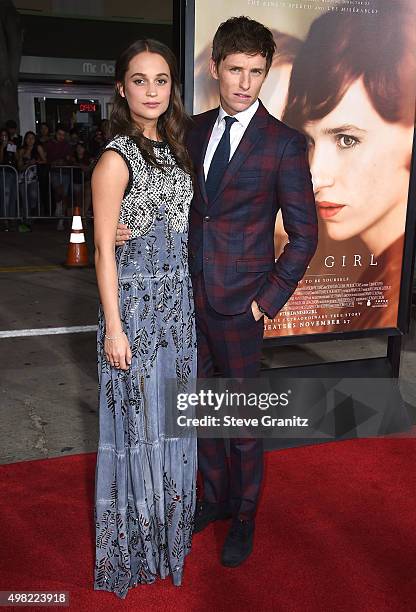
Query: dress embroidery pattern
(150,187)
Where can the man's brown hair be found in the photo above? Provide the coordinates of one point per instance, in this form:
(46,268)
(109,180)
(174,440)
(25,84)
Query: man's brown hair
(243,35)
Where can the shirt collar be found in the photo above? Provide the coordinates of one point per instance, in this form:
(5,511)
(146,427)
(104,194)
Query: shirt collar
(244,117)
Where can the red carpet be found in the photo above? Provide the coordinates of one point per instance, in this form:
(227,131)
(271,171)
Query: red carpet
(336,531)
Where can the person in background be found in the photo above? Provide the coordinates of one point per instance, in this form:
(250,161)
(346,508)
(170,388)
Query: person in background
(4,139)
(82,178)
(8,191)
(29,155)
(59,153)
(8,149)
(74,137)
(45,135)
(105,128)
(43,171)
(58,150)
(97,143)
(14,137)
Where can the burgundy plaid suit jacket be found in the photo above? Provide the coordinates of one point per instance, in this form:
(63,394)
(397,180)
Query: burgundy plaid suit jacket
(232,236)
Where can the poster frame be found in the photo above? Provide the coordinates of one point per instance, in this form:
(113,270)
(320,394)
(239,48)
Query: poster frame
(184,37)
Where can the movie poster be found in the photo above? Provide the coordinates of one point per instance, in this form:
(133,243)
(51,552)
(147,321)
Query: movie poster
(344,74)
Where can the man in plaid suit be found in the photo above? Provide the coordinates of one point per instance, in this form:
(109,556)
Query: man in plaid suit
(248,165)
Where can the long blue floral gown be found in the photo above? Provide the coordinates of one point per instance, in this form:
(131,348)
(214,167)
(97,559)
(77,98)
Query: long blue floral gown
(145,481)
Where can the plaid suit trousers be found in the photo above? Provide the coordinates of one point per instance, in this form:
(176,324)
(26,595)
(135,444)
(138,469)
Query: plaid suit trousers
(229,345)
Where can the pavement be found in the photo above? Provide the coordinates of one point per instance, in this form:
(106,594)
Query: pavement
(48,383)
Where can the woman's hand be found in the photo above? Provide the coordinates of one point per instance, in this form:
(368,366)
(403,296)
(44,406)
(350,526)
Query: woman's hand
(123,234)
(117,351)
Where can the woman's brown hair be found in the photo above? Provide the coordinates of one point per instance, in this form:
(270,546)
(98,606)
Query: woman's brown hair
(340,49)
(171,125)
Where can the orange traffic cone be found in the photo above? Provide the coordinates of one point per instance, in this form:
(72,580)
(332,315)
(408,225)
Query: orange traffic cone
(77,253)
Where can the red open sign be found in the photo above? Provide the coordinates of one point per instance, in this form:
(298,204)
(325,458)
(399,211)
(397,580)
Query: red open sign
(87,107)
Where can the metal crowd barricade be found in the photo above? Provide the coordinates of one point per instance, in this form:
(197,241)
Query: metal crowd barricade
(9,193)
(29,186)
(56,192)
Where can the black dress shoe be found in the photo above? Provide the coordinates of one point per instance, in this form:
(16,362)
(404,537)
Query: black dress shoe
(238,543)
(207,512)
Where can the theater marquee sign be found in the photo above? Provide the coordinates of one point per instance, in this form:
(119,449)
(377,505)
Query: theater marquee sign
(65,68)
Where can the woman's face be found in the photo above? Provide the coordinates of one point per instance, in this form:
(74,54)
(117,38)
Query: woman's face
(147,87)
(30,140)
(360,167)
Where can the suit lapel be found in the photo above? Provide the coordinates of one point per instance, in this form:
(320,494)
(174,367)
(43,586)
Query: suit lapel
(250,139)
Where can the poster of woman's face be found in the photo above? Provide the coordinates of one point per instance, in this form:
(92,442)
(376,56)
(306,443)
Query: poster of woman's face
(345,76)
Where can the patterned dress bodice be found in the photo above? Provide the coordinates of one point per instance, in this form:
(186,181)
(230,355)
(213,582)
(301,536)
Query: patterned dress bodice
(151,189)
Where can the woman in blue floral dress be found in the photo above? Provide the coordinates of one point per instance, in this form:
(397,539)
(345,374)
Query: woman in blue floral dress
(145,480)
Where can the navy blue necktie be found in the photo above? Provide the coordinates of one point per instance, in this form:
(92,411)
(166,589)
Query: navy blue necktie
(219,161)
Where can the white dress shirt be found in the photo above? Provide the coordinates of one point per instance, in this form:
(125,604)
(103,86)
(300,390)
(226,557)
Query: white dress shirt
(236,132)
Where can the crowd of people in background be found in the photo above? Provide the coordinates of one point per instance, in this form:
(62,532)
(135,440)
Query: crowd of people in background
(53,172)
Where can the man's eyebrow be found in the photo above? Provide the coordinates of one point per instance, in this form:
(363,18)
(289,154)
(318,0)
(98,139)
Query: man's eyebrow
(343,128)
(231,66)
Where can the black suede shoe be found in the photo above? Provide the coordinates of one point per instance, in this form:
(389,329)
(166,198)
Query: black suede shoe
(207,512)
(238,543)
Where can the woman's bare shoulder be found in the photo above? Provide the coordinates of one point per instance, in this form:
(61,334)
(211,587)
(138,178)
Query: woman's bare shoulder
(110,161)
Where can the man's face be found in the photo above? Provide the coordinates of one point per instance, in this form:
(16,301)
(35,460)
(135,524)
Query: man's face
(240,77)
(60,135)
